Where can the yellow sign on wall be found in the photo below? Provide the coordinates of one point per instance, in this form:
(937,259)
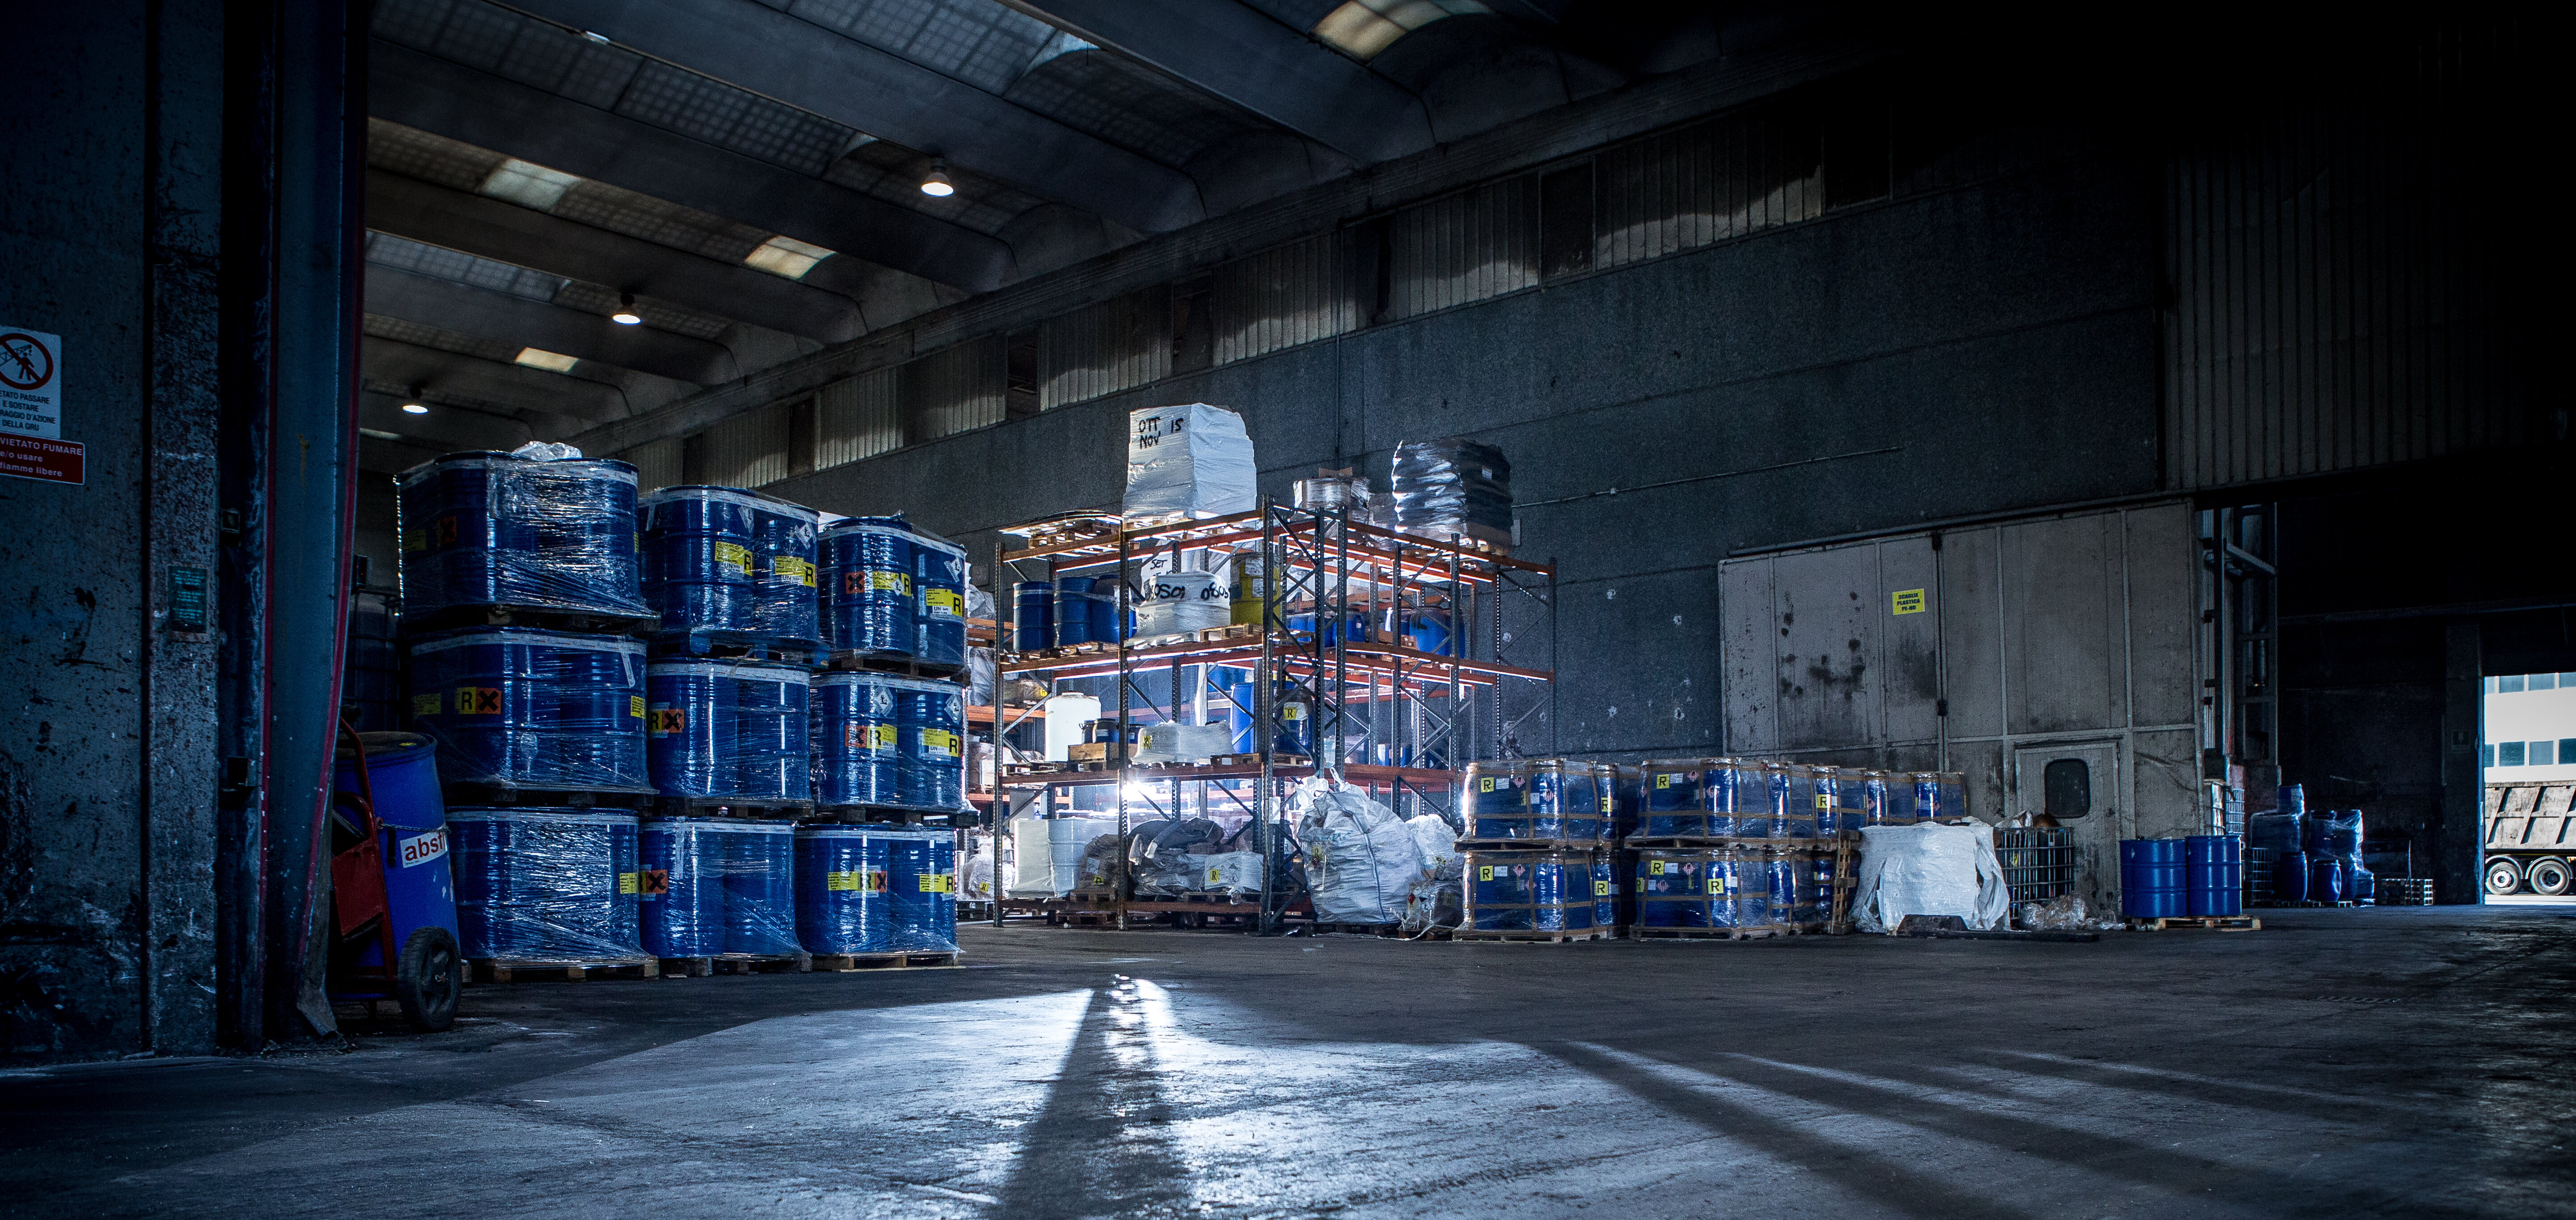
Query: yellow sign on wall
(1908,601)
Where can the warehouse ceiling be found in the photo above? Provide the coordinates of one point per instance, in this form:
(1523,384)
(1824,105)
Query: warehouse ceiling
(579,211)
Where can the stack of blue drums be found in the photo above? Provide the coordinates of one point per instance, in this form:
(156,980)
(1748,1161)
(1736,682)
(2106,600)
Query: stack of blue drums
(867,579)
(1529,891)
(516,707)
(1086,610)
(2154,878)
(731,565)
(1552,800)
(489,529)
(1032,616)
(546,885)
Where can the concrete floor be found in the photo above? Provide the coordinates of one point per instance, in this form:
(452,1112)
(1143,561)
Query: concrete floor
(2407,1062)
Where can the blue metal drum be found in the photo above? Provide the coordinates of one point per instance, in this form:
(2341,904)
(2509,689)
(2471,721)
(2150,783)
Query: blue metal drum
(681,894)
(760,888)
(2153,878)
(1680,889)
(1075,615)
(2216,868)
(698,560)
(420,890)
(773,755)
(516,707)
(1032,615)
(785,553)
(939,611)
(1792,888)
(489,529)
(856,743)
(921,889)
(867,586)
(1939,796)
(1528,890)
(546,885)
(690,717)
(841,900)
(1674,789)
(930,744)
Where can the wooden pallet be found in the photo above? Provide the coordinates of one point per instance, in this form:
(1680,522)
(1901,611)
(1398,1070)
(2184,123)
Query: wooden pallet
(843,963)
(893,667)
(1711,843)
(1766,931)
(544,618)
(1254,760)
(2213,923)
(737,646)
(1553,845)
(621,800)
(1529,936)
(508,970)
(729,807)
(879,815)
(1358,929)
(702,967)
(2301,905)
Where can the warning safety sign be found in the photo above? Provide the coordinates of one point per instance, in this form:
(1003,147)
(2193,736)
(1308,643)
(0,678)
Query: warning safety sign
(31,383)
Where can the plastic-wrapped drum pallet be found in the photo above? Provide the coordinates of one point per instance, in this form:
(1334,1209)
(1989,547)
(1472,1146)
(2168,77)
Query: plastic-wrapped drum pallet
(698,560)
(856,746)
(546,885)
(489,529)
(841,901)
(1536,891)
(773,755)
(690,714)
(520,708)
(784,550)
(867,586)
(1543,799)
(682,895)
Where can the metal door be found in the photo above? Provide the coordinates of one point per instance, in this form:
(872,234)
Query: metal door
(2078,783)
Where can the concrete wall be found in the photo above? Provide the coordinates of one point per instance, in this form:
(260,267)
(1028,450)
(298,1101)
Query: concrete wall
(1999,337)
(107,778)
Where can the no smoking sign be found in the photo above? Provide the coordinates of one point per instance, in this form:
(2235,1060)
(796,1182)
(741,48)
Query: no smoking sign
(31,383)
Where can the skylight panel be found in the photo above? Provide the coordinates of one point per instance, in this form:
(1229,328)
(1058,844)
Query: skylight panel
(552,362)
(1363,28)
(786,256)
(529,186)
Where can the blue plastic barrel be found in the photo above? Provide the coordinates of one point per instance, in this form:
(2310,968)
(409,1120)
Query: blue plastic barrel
(2216,867)
(930,744)
(856,743)
(1791,889)
(1675,792)
(690,715)
(698,559)
(1825,800)
(517,707)
(489,529)
(841,900)
(681,899)
(2290,877)
(2325,879)
(786,565)
(939,610)
(921,890)
(773,755)
(867,586)
(1939,795)
(1675,890)
(1605,893)
(420,890)
(760,888)
(546,885)
(1078,609)
(1032,615)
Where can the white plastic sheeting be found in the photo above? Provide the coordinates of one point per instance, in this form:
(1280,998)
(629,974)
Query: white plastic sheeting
(1929,869)
(1361,860)
(1434,897)
(1047,853)
(1191,461)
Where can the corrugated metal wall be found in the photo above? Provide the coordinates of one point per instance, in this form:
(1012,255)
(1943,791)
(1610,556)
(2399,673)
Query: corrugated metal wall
(2335,303)
(956,389)
(1280,298)
(1118,344)
(656,464)
(750,449)
(858,417)
(1463,247)
(1706,183)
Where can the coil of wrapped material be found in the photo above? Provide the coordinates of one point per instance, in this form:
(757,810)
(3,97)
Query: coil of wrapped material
(856,745)
(841,901)
(682,897)
(546,885)
(490,529)
(1452,486)
(760,888)
(521,708)
(698,558)
(939,591)
(921,887)
(867,568)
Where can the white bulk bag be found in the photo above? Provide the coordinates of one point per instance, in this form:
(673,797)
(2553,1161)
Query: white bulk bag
(1190,461)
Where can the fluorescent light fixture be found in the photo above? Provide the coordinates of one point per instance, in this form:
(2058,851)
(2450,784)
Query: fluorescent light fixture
(552,362)
(937,185)
(1363,28)
(786,256)
(626,315)
(415,408)
(529,186)
(382,436)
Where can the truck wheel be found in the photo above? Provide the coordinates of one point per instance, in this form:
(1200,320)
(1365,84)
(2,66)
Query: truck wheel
(429,979)
(2549,875)
(2504,876)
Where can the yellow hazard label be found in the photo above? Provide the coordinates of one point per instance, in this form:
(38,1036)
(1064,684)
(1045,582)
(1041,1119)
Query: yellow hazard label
(478,700)
(1605,800)
(1663,781)
(667,720)
(424,705)
(1823,801)
(1906,601)
(854,880)
(889,582)
(944,602)
(786,567)
(1216,875)
(734,554)
(1484,872)
(1486,784)
(939,743)
(1716,886)
(937,883)
(635,706)
(415,540)
(1641,885)
(1656,867)
(1600,888)
(628,883)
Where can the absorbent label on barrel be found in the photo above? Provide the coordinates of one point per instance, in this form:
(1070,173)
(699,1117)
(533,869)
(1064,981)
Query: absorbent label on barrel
(944,603)
(734,554)
(798,570)
(425,705)
(855,880)
(420,849)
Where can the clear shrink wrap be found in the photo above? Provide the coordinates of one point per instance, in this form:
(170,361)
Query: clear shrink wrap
(1191,461)
(494,529)
(1453,486)
(546,885)
(514,707)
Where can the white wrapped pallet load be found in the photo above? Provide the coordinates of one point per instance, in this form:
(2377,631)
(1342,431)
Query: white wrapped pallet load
(1929,869)
(1192,461)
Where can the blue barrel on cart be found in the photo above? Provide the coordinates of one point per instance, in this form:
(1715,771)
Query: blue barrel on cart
(760,888)
(1032,615)
(517,707)
(490,529)
(680,897)
(420,888)
(841,901)
(2216,868)
(699,563)
(557,885)
(867,586)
